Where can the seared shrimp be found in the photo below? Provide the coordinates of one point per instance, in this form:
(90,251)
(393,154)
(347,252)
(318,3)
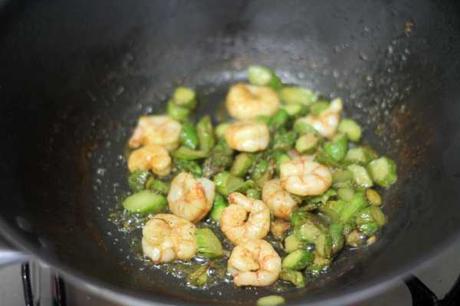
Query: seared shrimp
(246,136)
(254,263)
(279,201)
(237,225)
(246,101)
(150,157)
(166,237)
(159,130)
(190,198)
(305,177)
(279,227)
(327,122)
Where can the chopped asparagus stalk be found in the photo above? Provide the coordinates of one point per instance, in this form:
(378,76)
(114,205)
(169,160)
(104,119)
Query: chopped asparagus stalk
(278,120)
(378,215)
(301,126)
(157,186)
(177,112)
(253,193)
(307,143)
(297,95)
(369,229)
(333,209)
(189,136)
(227,183)
(205,134)
(383,171)
(137,180)
(350,128)
(338,240)
(220,158)
(144,202)
(218,207)
(188,166)
(294,277)
(297,260)
(189,154)
(292,243)
(271,300)
(337,148)
(220,129)
(360,155)
(242,163)
(263,76)
(294,109)
(185,97)
(345,194)
(357,203)
(360,175)
(208,244)
(284,140)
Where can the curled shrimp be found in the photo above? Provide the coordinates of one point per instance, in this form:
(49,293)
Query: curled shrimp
(246,101)
(159,130)
(327,122)
(190,198)
(254,263)
(279,201)
(150,157)
(244,218)
(246,136)
(279,227)
(166,237)
(304,177)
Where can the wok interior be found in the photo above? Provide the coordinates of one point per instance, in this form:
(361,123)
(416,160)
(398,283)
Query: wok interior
(76,75)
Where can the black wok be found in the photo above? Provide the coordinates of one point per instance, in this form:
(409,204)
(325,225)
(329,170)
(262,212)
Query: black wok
(75,75)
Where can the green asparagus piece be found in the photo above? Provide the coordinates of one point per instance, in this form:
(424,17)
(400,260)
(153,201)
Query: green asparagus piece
(177,112)
(253,193)
(350,128)
(208,244)
(220,129)
(294,277)
(263,76)
(227,183)
(218,207)
(318,107)
(188,166)
(185,97)
(292,243)
(157,186)
(189,136)
(360,155)
(301,126)
(242,163)
(199,277)
(205,134)
(144,202)
(189,154)
(278,120)
(337,148)
(295,109)
(338,240)
(307,143)
(284,140)
(297,260)
(383,171)
(137,180)
(360,176)
(271,300)
(297,95)
(220,158)
(357,203)
(373,197)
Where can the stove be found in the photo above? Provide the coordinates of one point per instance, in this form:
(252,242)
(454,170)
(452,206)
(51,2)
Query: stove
(34,284)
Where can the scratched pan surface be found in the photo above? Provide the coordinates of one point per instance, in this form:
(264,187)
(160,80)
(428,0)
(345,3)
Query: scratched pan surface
(75,75)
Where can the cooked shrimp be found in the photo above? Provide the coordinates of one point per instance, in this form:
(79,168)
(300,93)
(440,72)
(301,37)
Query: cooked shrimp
(279,201)
(150,157)
(167,237)
(190,198)
(246,101)
(327,122)
(278,228)
(254,263)
(237,225)
(305,177)
(159,130)
(246,136)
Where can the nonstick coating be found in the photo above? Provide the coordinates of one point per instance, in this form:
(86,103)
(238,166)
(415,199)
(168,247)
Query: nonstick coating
(75,75)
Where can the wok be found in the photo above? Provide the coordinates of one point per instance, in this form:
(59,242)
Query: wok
(75,75)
